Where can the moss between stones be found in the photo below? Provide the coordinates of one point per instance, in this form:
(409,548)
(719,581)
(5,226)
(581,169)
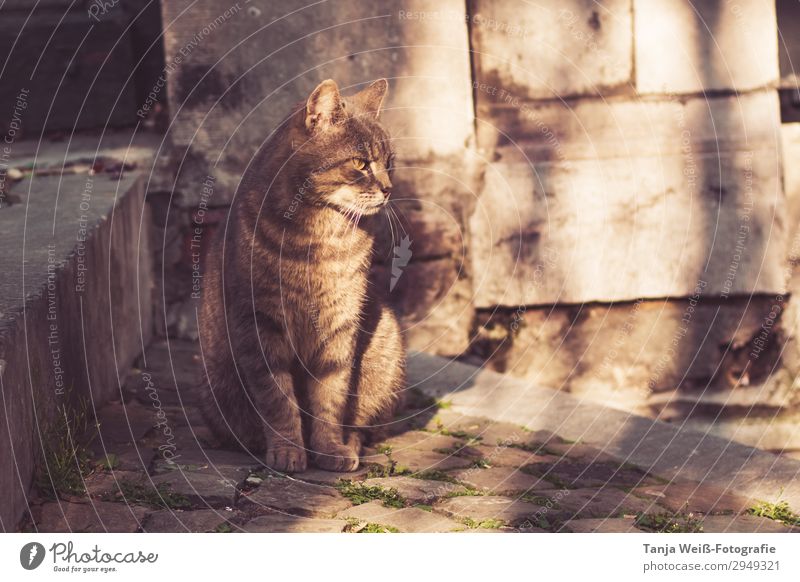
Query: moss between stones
(668,523)
(532,469)
(435,475)
(482,524)
(539,500)
(378,528)
(356,526)
(360,493)
(141,493)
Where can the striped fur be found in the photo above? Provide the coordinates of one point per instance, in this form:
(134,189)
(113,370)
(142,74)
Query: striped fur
(301,360)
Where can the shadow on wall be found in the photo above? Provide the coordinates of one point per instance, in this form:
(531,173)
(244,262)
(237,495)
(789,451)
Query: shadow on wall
(658,218)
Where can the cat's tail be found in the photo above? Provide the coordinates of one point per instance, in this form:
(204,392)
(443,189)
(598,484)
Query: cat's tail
(227,407)
(224,401)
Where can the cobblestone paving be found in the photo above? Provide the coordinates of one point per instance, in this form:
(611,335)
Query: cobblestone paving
(156,468)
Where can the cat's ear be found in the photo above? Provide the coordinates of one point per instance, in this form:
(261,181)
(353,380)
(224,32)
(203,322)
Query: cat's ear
(371,98)
(324,106)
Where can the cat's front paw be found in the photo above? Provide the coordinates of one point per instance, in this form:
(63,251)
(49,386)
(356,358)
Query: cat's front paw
(340,458)
(286,459)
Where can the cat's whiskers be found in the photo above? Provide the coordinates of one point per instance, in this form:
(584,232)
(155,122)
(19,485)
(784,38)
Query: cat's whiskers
(400,228)
(356,218)
(391,231)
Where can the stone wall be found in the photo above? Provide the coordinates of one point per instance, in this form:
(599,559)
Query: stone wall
(637,217)
(594,192)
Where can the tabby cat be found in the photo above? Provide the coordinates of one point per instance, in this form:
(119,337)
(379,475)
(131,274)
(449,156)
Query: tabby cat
(301,360)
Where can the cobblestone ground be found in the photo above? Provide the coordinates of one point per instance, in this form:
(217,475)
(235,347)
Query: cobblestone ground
(154,467)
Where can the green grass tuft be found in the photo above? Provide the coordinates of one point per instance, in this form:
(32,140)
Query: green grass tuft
(66,460)
(109,462)
(779,511)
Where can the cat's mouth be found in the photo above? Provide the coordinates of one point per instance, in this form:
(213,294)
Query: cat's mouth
(373,208)
(354,203)
(359,210)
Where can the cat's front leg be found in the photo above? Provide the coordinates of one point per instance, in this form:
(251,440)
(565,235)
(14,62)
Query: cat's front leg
(277,405)
(327,397)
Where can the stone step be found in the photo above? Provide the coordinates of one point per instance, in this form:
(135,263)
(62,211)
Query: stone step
(75,304)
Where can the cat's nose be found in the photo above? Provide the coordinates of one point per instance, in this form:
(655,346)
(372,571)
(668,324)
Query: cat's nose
(387,190)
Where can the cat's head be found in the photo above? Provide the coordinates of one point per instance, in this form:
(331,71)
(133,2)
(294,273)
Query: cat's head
(346,154)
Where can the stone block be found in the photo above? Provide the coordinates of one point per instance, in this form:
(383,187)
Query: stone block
(419,461)
(550,50)
(625,228)
(575,474)
(331,478)
(121,424)
(407,519)
(744,524)
(415,490)
(687,497)
(482,508)
(421,440)
(615,525)
(592,503)
(202,489)
(200,521)
(276,522)
(705,46)
(98,516)
(297,497)
(501,480)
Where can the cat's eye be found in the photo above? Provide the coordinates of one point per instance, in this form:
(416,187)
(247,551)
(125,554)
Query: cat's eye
(359,163)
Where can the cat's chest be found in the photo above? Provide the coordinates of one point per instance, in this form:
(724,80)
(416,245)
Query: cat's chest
(326,286)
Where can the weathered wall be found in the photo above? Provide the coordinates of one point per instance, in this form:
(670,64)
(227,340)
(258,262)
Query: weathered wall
(646,174)
(612,221)
(639,167)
